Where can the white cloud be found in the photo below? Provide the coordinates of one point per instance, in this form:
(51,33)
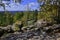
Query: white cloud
(20,7)
(34,6)
(16,7)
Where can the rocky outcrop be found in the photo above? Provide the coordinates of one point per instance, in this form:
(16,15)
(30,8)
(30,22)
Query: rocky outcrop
(38,31)
(7,29)
(32,35)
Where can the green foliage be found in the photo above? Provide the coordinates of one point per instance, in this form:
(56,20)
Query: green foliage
(25,18)
(18,16)
(49,12)
(6,19)
(16,27)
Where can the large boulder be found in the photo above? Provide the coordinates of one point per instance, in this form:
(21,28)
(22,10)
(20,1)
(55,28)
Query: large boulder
(41,23)
(7,29)
(52,29)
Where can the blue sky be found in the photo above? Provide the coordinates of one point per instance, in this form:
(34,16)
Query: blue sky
(28,1)
(23,6)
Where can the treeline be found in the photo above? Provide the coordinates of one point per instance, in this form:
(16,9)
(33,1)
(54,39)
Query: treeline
(48,12)
(8,18)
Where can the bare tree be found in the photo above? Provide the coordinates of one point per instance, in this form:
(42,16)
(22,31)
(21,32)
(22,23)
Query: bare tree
(2,4)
